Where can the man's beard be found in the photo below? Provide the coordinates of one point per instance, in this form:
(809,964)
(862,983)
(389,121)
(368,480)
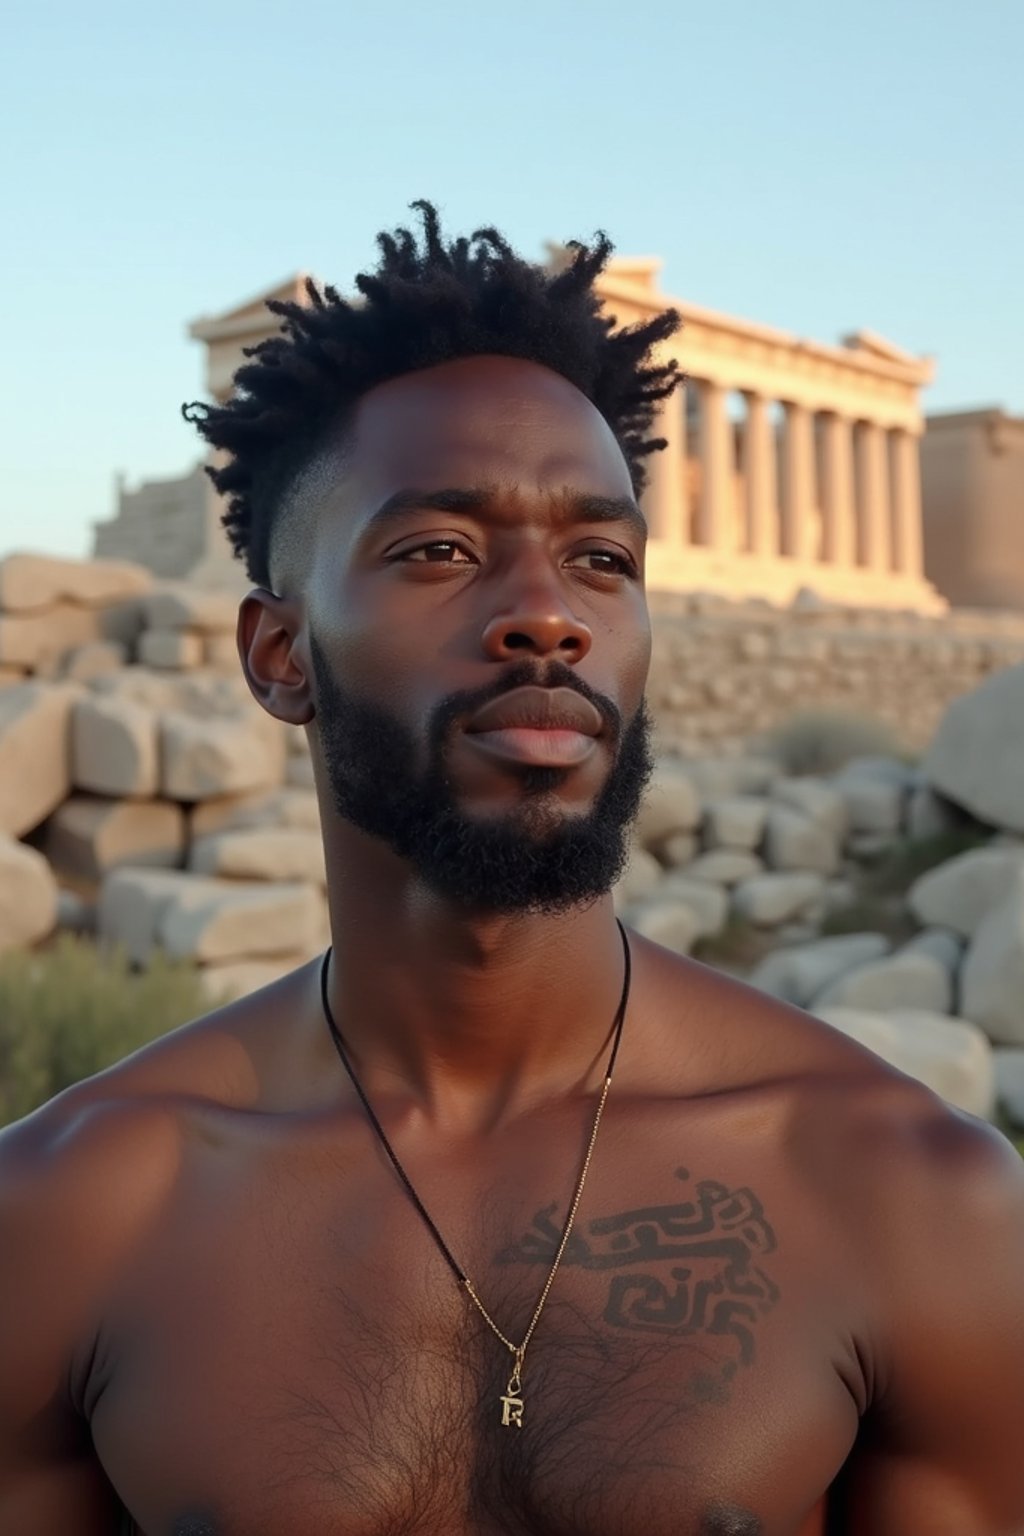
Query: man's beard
(537,857)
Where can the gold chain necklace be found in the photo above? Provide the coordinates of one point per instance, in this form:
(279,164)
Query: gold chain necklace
(512,1400)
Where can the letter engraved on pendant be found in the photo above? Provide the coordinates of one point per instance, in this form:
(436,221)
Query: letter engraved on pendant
(512,1411)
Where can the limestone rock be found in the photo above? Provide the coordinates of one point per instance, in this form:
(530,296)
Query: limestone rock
(871,847)
(959,893)
(793,841)
(671,804)
(221,653)
(175,605)
(35,759)
(1009,1070)
(666,921)
(909,979)
(94,660)
(232,979)
(800,974)
(873,805)
(28,895)
(976,757)
(992,975)
(261,853)
(709,903)
(725,866)
(677,850)
(718,778)
(641,876)
(942,944)
(38,641)
(114,747)
(298,773)
(201,758)
(177,650)
(884,770)
(9,676)
(737,821)
(929,814)
(950,1056)
(816,799)
(89,835)
(206,919)
(29,582)
(771,899)
(256,808)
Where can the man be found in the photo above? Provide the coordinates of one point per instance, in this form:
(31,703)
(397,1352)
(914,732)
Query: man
(378,1248)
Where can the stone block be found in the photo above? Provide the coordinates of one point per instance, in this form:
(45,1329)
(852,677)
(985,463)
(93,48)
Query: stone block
(800,974)
(115,747)
(208,611)
(221,653)
(976,757)
(942,944)
(261,853)
(1009,1072)
(40,641)
(725,866)
(256,808)
(959,893)
(35,755)
(203,758)
(666,921)
(641,876)
(710,903)
(774,898)
(171,650)
(671,804)
(28,895)
(737,821)
(793,841)
(909,979)
(929,814)
(95,659)
(232,979)
(992,974)
(817,799)
(677,850)
(719,778)
(950,1056)
(873,805)
(29,582)
(87,835)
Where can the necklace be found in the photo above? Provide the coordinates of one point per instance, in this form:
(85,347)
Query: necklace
(512,1401)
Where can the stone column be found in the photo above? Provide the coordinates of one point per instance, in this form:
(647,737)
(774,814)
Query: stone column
(839,543)
(873,497)
(797,481)
(715,468)
(759,473)
(664,499)
(905,471)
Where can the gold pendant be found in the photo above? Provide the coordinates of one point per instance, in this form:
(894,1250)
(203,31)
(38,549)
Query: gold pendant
(512,1402)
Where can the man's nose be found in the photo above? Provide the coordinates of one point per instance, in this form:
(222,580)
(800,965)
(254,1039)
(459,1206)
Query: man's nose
(538,623)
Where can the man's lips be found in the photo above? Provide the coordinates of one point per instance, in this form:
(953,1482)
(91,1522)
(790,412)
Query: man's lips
(537,727)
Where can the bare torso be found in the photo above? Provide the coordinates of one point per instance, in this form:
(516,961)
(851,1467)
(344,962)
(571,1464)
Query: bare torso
(276,1347)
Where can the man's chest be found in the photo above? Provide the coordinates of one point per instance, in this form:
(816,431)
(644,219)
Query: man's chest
(279,1372)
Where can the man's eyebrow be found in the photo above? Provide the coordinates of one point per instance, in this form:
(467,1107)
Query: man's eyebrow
(578,506)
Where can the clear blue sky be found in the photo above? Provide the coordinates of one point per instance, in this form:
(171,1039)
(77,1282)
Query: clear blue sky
(819,167)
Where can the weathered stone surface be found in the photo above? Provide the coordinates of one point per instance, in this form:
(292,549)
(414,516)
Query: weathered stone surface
(884,770)
(30,582)
(114,747)
(39,640)
(1009,1071)
(718,778)
(873,805)
(89,835)
(725,866)
(992,975)
(206,919)
(231,979)
(178,606)
(256,808)
(298,773)
(909,979)
(976,757)
(95,659)
(671,804)
(35,759)
(28,895)
(641,876)
(737,821)
(929,814)
(950,1056)
(678,850)
(800,974)
(221,653)
(942,944)
(959,893)
(175,650)
(261,853)
(666,921)
(817,799)
(202,758)
(793,841)
(767,900)
(710,903)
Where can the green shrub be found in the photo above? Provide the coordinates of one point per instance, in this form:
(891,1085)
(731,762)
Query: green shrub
(821,741)
(72,1009)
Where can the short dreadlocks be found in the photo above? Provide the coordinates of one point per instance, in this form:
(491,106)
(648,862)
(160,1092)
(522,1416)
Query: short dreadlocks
(428,302)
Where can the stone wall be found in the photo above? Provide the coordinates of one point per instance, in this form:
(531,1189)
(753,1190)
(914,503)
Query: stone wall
(724,672)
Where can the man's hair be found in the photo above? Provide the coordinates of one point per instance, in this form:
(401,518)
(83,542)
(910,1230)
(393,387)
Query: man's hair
(429,301)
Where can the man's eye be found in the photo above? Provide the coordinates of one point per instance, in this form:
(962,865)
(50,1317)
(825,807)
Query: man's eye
(607,562)
(438,552)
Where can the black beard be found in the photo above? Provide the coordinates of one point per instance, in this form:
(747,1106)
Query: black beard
(536,858)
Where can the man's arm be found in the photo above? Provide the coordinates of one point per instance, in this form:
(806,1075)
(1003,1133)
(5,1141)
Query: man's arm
(943,1448)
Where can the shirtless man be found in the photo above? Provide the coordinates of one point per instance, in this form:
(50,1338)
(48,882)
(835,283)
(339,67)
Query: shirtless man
(792,1301)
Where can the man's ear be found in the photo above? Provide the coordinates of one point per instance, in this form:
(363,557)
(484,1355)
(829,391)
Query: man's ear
(274,657)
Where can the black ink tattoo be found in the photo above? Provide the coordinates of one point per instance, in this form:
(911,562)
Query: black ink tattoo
(714,1287)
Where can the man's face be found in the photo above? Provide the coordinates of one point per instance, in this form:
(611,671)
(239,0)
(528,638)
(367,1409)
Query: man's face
(479,633)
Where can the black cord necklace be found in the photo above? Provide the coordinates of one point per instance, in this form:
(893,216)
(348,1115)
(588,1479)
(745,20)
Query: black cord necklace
(512,1401)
